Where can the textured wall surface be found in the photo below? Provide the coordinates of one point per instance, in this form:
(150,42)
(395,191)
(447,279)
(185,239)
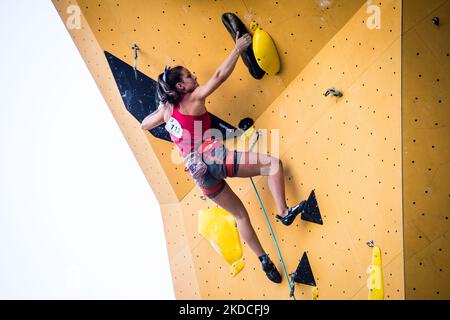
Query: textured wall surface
(426,158)
(191,33)
(348,149)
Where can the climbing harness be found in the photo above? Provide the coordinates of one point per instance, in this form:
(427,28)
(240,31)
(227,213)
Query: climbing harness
(195,160)
(208,147)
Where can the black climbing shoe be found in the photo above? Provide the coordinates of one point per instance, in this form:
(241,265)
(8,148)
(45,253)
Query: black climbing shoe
(292,214)
(270,269)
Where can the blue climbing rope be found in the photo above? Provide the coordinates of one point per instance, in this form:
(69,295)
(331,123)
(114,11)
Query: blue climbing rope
(271,230)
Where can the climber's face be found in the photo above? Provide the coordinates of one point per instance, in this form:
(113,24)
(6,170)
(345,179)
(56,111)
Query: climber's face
(188,82)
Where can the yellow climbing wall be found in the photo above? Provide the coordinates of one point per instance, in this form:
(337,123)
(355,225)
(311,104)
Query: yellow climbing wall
(191,33)
(426,122)
(349,149)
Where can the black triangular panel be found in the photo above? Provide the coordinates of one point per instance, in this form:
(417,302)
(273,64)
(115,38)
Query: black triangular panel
(140,99)
(311,212)
(139,96)
(304,274)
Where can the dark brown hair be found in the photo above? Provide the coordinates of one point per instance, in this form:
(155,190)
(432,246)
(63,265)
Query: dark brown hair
(167,90)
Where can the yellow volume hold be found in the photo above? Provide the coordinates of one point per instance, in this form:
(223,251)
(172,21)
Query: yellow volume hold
(375,281)
(219,227)
(315,293)
(266,53)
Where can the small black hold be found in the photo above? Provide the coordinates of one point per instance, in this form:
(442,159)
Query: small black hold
(436,21)
(246,123)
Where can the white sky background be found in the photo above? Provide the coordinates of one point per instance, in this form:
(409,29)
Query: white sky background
(78,219)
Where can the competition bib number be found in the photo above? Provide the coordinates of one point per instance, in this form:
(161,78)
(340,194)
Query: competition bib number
(174,127)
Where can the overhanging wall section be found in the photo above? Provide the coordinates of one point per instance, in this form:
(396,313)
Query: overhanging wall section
(191,33)
(92,53)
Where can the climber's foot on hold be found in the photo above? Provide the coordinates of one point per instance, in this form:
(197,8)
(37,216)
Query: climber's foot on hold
(291,214)
(270,269)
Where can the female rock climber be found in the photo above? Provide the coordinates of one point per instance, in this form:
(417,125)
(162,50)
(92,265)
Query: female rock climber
(183,108)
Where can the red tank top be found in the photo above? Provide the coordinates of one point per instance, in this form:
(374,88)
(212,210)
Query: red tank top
(192,130)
